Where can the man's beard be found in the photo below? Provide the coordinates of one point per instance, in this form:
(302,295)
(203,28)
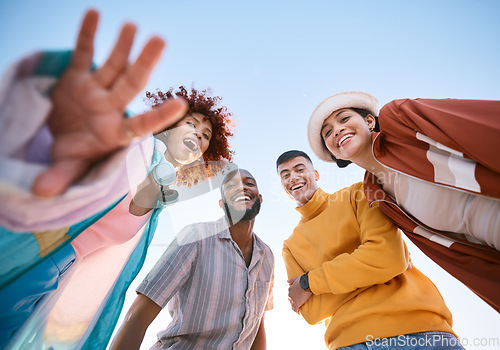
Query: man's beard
(236,215)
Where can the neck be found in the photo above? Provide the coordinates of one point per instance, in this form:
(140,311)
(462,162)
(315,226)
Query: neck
(241,232)
(368,162)
(172,161)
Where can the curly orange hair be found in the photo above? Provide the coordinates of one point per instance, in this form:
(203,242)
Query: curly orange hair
(218,152)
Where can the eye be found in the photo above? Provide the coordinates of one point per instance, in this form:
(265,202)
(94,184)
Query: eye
(300,170)
(344,119)
(327,133)
(285,176)
(206,137)
(190,123)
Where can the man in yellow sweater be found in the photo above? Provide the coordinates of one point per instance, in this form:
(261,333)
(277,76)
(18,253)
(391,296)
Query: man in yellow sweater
(347,265)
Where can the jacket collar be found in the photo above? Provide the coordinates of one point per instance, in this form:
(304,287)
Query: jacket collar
(373,191)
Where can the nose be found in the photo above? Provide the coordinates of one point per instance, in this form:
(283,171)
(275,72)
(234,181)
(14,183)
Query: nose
(240,189)
(197,134)
(293,177)
(338,131)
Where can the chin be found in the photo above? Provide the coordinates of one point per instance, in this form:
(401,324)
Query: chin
(188,160)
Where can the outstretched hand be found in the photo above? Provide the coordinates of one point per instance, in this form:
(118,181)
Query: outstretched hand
(87,118)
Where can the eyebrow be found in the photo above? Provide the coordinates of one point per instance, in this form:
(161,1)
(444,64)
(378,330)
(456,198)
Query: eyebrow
(336,115)
(294,167)
(192,116)
(198,121)
(339,113)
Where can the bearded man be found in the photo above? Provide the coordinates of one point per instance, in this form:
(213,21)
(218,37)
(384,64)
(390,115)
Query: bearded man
(216,277)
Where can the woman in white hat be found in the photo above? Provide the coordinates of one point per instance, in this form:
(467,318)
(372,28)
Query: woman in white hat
(432,166)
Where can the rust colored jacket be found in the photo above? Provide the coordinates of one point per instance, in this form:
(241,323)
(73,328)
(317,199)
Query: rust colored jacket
(453,143)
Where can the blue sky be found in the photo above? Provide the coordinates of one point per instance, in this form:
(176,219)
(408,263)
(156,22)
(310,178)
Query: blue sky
(272,62)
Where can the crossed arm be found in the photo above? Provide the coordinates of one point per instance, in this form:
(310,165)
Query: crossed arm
(380,257)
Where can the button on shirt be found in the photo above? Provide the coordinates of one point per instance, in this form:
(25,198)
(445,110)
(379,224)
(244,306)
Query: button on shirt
(215,300)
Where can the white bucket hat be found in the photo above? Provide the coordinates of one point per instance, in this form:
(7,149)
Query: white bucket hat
(348,99)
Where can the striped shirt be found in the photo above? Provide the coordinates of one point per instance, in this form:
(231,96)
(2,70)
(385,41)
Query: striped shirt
(215,300)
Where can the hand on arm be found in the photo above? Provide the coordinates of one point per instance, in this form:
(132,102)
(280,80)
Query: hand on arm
(140,315)
(87,118)
(296,295)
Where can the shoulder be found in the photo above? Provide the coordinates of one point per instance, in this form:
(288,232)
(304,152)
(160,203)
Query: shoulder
(296,233)
(347,196)
(357,191)
(394,106)
(260,244)
(196,232)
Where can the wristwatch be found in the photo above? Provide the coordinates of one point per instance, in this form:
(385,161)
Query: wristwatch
(304,282)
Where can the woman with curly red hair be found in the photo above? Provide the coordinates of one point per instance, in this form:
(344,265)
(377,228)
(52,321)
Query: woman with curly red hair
(196,146)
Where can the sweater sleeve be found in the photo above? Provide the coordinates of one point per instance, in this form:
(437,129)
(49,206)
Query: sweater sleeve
(381,255)
(293,268)
(318,307)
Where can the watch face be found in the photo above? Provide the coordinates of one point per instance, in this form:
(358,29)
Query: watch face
(304,282)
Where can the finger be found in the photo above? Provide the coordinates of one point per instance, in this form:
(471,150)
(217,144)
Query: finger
(58,177)
(134,79)
(84,50)
(118,59)
(155,120)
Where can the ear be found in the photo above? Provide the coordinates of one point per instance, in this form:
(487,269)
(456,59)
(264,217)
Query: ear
(370,121)
(316,175)
(220,203)
(261,200)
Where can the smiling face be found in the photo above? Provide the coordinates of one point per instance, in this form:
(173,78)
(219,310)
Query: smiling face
(298,179)
(347,135)
(241,199)
(188,139)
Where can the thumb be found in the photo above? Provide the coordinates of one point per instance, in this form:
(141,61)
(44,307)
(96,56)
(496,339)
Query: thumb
(157,119)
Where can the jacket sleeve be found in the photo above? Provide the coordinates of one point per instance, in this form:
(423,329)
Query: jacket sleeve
(380,256)
(470,127)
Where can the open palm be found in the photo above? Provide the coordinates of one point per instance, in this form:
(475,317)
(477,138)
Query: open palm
(87,119)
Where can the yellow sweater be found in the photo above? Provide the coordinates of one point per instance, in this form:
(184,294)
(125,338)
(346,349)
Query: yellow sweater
(358,272)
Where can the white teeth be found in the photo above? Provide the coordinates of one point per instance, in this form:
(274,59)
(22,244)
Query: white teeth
(296,187)
(345,137)
(243,198)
